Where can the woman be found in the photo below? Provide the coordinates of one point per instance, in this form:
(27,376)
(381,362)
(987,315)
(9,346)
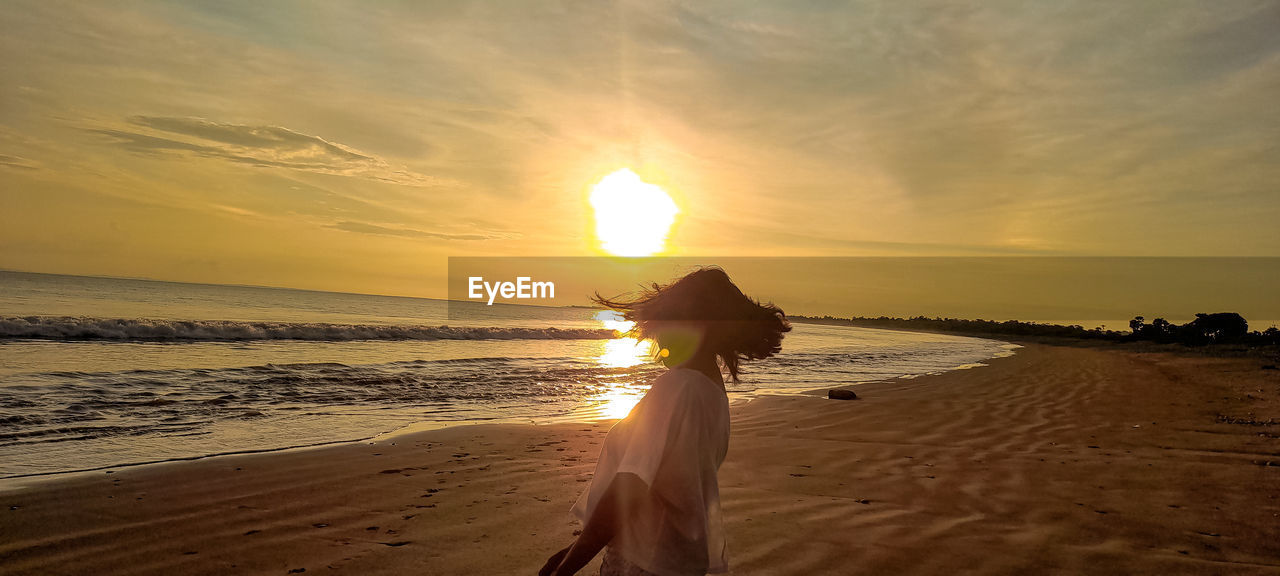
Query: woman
(654,500)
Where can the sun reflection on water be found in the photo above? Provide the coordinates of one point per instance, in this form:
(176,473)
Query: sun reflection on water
(623,352)
(613,320)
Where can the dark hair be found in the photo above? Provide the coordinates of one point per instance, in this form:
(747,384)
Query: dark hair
(707,304)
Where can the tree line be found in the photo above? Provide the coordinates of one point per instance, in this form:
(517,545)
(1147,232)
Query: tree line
(1205,329)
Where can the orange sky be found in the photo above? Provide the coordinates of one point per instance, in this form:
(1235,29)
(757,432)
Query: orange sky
(355,146)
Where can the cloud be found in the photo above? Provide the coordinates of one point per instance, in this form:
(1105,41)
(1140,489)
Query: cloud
(17,162)
(366,228)
(262,145)
(1143,127)
(238,211)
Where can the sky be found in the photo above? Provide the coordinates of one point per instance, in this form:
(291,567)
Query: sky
(356,146)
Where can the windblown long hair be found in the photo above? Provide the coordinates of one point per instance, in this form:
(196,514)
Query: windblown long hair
(706,304)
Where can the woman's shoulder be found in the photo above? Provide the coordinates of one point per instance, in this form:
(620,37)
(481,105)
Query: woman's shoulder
(684,376)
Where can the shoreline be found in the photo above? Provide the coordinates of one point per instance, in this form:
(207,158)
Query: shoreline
(583,415)
(1055,459)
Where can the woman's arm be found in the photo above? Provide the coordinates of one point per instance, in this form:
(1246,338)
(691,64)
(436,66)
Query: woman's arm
(623,493)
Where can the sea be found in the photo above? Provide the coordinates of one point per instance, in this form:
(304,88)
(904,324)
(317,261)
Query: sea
(98,373)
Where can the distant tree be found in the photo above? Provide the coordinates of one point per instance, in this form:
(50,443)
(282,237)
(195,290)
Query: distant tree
(1217,327)
(1137,324)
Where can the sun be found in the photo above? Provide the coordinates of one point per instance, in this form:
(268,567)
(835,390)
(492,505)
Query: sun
(633,217)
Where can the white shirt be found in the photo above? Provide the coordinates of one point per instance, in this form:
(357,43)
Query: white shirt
(674,440)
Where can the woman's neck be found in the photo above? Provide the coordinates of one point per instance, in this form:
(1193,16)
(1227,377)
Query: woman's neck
(706,365)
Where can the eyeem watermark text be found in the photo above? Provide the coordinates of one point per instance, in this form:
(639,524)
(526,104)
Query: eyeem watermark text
(523,288)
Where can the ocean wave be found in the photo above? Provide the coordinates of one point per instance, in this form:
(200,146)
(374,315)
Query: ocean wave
(141,329)
(283,399)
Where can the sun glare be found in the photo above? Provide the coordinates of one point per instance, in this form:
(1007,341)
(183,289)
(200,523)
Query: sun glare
(621,352)
(613,320)
(633,217)
(617,404)
(624,353)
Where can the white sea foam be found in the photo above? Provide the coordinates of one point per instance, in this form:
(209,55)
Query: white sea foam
(142,329)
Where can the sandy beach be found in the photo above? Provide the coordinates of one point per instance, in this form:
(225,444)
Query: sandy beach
(1055,460)
(361,288)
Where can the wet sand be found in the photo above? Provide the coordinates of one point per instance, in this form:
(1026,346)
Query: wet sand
(1056,460)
